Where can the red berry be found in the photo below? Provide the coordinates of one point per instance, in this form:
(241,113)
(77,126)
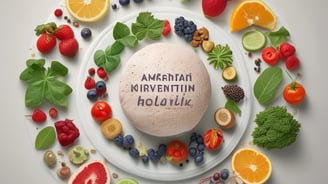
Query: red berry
(292,62)
(101,72)
(270,55)
(58,12)
(46,42)
(69,47)
(39,116)
(64,32)
(53,113)
(89,83)
(286,49)
(91,71)
(167,28)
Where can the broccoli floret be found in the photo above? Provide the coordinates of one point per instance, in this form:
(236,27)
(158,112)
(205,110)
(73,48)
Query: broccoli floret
(276,128)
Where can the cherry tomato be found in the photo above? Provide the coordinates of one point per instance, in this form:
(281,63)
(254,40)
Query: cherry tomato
(101,111)
(176,151)
(294,93)
(270,55)
(213,138)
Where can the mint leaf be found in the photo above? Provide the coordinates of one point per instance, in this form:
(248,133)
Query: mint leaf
(278,37)
(120,31)
(45,138)
(109,58)
(147,26)
(43,84)
(232,106)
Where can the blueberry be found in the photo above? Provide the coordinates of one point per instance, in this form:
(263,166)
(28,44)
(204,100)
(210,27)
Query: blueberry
(193,137)
(134,152)
(153,155)
(92,95)
(124,2)
(128,141)
(192,151)
(224,174)
(161,149)
(86,33)
(138,1)
(201,147)
(100,85)
(114,6)
(145,159)
(200,139)
(199,158)
(118,140)
(188,37)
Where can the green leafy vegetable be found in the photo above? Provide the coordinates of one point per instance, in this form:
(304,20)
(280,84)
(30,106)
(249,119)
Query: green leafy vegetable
(45,138)
(276,128)
(266,84)
(220,56)
(43,84)
(147,26)
(278,37)
(122,34)
(109,58)
(232,106)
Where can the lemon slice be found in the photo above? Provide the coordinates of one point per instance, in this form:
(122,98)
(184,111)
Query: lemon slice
(254,40)
(229,73)
(88,10)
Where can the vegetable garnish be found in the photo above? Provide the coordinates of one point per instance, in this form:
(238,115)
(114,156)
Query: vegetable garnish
(43,84)
(122,33)
(147,26)
(220,56)
(266,85)
(278,37)
(276,128)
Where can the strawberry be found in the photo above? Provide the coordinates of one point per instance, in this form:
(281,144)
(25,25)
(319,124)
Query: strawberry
(39,116)
(64,32)
(292,62)
(286,49)
(46,42)
(213,8)
(89,83)
(69,47)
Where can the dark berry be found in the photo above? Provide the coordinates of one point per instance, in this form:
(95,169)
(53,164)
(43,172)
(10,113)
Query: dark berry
(128,141)
(134,152)
(192,151)
(224,174)
(92,95)
(145,159)
(138,1)
(58,12)
(124,2)
(86,33)
(161,149)
(114,6)
(201,147)
(118,140)
(199,158)
(100,85)
(92,71)
(216,176)
(200,139)
(153,155)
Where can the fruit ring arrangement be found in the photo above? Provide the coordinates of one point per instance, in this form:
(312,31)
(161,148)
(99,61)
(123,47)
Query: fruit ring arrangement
(271,44)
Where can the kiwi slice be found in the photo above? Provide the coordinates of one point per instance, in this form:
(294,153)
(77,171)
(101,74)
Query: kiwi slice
(254,40)
(229,73)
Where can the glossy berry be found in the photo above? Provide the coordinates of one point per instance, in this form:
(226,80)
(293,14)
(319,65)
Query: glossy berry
(145,159)
(39,116)
(114,6)
(138,1)
(201,147)
(92,95)
(58,12)
(134,152)
(128,141)
(101,73)
(118,140)
(91,71)
(153,155)
(292,62)
(224,173)
(161,149)
(124,2)
(286,50)
(199,158)
(216,176)
(89,83)
(86,33)
(192,151)
(53,113)
(46,42)
(64,32)
(270,55)
(185,28)
(101,87)
(69,47)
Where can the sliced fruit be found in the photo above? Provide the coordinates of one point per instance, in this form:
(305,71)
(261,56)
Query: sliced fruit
(111,128)
(254,40)
(229,73)
(88,11)
(252,12)
(127,181)
(224,118)
(78,155)
(94,172)
(251,166)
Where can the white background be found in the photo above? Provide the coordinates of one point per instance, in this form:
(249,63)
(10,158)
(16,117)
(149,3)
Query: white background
(304,162)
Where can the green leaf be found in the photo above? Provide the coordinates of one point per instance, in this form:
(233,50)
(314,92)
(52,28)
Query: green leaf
(120,31)
(110,58)
(266,85)
(99,57)
(220,56)
(45,138)
(278,37)
(113,63)
(147,26)
(232,106)
(130,41)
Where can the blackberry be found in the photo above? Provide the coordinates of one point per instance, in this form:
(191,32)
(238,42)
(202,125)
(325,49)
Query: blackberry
(233,92)
(184,28)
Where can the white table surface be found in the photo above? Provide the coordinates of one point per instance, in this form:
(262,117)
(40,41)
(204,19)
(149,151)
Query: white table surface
(303,162)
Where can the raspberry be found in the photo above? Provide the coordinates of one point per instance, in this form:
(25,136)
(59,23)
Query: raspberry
(101,73)
(91,71)
(286,49)
(53,113)
(39,116)
(292,62)
(89,83)
(58,12)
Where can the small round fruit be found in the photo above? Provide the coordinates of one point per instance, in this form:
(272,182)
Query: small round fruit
(111,128)
(294,93)
(53,112)
(270,55)
(229,73)
(124,2)
(58,12)
(86,33)
(101,111)
(50,158)
(224,117)
(213,138)
(92,95)
(176,151)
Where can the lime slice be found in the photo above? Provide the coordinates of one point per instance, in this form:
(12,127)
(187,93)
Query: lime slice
(254,40)
(127,181)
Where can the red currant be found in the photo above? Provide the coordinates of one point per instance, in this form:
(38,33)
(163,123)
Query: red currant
(101,73)
(58,12)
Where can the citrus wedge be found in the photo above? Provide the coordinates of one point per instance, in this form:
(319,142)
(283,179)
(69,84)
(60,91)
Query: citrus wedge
(88,10)
(251,166)
(252,12)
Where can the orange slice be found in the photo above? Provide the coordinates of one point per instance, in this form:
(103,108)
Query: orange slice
(88,10)
(252,12)
(251,166)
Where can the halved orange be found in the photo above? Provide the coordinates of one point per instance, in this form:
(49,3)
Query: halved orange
(252,12)
(88,10)
(251,166)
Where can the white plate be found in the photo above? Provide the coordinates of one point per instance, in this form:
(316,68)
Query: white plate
(163,172)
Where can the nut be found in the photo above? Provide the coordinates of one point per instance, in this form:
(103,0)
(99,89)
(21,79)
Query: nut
(199,36)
